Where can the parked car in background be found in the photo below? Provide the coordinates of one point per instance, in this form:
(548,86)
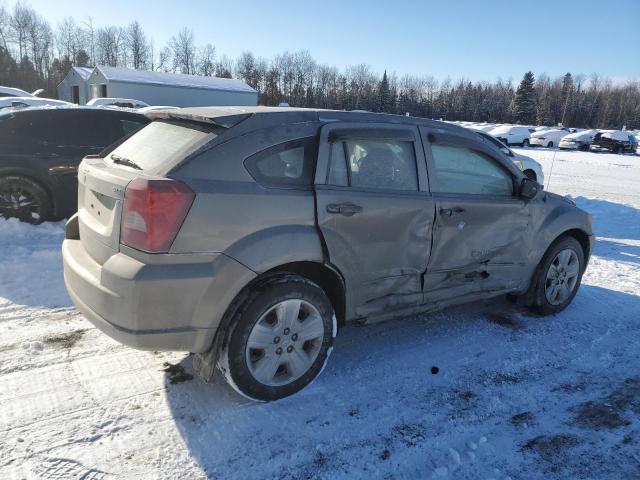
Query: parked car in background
(547,138)
(528,165)
(580,140)
(512,135)
(116,102)
(614,141)
(248,235)
(21,102)
(40,149)
(14,92)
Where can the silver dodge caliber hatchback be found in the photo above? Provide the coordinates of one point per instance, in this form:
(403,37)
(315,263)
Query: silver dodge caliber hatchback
(248,235)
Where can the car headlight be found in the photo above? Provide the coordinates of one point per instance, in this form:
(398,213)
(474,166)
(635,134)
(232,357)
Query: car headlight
(519,164)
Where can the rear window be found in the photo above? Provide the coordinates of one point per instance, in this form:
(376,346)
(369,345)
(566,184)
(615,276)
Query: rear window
(160,144)
(286,164)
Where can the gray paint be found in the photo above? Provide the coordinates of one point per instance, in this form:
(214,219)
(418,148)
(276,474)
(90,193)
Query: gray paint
(398,255)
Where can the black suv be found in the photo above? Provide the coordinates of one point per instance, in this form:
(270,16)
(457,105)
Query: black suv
(40,149)
(615,142)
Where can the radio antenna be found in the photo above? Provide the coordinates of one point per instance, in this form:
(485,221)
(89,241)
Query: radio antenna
(553,161)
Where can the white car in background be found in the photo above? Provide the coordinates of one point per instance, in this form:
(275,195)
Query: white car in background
(547,138)
(23,102)
(482,127)
(578,140)
(512,135)
(13,92)
(528,165)
(116,102)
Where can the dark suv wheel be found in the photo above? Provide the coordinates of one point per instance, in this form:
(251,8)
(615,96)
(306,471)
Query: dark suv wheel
(22,198)
(281,339)
(558,276)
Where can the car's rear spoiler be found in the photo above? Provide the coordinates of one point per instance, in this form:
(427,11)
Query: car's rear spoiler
(225,121)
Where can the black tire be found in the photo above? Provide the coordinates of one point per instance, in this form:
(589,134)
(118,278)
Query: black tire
(234,358)
(585,148)
(525,143)
(620,150)
(550,145)
(531,175)
(35,209)
(540,302)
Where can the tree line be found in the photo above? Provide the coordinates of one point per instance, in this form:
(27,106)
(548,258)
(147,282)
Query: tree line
(33,54)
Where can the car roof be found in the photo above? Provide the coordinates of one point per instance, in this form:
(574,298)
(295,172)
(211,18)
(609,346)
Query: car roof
(263,117)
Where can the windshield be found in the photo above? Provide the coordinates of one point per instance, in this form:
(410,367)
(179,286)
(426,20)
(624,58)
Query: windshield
(161,144)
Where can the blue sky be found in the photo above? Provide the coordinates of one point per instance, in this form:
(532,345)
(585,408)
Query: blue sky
(476,40)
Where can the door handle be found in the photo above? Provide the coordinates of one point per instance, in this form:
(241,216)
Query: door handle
(450,212)
(346,209)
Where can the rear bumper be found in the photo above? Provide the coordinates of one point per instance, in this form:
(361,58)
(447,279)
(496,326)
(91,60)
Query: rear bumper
(536,142)
(176,305)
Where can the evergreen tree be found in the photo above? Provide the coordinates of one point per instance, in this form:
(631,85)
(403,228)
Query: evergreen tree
(525,100)
(384,95)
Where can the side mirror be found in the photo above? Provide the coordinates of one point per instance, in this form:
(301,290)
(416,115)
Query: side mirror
(529,188)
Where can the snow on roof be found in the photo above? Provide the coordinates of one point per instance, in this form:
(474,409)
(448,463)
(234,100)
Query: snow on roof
(174,79)
(84,72)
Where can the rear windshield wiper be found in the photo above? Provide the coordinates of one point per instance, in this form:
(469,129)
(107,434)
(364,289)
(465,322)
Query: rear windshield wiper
(125,161)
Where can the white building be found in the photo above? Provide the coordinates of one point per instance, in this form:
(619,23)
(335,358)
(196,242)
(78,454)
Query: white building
(74,88)
(155,88)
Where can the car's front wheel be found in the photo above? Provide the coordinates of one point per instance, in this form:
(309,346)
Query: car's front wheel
(525,143)
(558,276)
(282,336)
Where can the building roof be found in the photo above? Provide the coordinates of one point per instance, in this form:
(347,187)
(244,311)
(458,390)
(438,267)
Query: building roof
(128,75)
(84,72)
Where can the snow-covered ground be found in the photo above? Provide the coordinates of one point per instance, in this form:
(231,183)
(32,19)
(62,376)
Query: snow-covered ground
(515,396)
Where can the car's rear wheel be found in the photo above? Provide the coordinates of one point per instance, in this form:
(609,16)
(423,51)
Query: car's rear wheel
(550,145)
(22,198)
(619,149)
(558,276)
(525,143)
(282,336)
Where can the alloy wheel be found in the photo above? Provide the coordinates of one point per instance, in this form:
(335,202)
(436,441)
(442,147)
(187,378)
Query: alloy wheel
(562,277)
(19,202)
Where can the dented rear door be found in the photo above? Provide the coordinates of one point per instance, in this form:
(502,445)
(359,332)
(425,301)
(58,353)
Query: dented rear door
(375,213)
(481,233)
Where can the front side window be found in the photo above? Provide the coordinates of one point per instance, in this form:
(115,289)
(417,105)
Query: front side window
(380,164)
(286,164)
(463,170)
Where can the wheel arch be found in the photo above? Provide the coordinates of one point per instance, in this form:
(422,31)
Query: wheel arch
(325,276)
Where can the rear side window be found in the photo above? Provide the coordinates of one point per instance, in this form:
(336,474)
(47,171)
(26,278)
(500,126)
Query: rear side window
(285,164)
(380,164)
(162,143)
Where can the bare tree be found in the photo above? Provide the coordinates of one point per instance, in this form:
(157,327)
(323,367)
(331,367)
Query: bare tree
(184,51)
(136,42)
(206,60)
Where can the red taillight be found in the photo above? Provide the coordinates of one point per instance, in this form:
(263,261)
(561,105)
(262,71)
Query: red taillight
(153,212)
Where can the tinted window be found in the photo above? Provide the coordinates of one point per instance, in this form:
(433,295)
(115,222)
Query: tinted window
(463,170)
(28,126)
(385,164)
(289,163)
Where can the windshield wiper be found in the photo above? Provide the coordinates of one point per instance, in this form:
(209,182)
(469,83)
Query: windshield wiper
(125,161)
